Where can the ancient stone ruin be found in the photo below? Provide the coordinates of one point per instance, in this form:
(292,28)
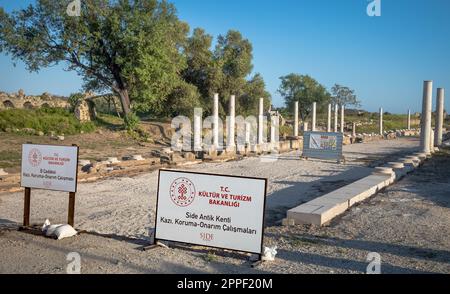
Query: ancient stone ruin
(21,101)
(82,111)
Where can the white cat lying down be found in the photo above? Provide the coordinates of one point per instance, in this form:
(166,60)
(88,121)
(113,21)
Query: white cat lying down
(58,231)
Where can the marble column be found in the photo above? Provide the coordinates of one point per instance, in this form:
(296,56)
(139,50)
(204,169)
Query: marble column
(439,117)
(380,122)
(336,112)
(261,121)
(198,129)
(409,119)
(296,119)
(314,113)
(216,121)
(425,121)
(329,119)
(231,124)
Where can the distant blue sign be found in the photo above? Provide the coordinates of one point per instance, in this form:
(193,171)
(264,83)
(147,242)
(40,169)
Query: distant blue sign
(322,145)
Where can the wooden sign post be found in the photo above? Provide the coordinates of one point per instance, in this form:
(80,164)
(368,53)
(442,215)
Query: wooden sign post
(49,167)
(26,207)
(71,214)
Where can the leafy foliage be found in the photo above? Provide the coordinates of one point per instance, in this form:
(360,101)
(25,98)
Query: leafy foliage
(131,121)
(139,50)
(305,90)
(345,96)
(225,70)
(129,47)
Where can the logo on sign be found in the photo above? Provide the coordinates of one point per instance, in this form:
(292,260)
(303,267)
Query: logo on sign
(182,192)
(47,184)
(35,157)
(207,237)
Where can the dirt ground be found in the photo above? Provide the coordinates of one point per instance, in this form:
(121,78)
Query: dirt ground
(92,145)
(408,224)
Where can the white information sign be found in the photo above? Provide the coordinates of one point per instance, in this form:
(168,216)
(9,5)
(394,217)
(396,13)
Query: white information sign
(211,210)
(49,167)
(323,142)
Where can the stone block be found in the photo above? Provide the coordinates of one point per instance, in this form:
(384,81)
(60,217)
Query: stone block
(137,157)
(284,146)
(255,148)
(303,214)
(323,209)
(383,171)
(188,156)
(83,162)
(288,222)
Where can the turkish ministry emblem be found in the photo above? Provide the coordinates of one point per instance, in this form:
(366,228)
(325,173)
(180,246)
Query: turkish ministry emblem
(34,157)
(182,192)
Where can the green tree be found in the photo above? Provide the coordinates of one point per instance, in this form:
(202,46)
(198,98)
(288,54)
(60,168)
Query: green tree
(302,89)
(233,64)
(200,65)
(345,96)
(225,70)
(183,100)
(254,89)
(129,47)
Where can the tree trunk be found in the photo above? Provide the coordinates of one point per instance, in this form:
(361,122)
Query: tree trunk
(92,110)
(115,107)
(109,105)
(125,101)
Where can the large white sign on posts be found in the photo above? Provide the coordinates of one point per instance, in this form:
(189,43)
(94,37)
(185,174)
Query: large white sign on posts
(211,210)
(49,167)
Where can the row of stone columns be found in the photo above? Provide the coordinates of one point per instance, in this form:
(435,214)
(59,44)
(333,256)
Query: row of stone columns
(342,122)
(314,119)
(231,125)
(428,138)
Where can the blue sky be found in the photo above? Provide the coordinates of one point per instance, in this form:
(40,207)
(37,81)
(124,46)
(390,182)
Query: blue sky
(385,59)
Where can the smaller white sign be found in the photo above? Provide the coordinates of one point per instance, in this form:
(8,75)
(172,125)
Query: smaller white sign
(323,142)
(49,167)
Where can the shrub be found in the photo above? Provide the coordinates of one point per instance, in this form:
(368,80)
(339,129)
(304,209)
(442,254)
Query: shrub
(47,120)
(131,121)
